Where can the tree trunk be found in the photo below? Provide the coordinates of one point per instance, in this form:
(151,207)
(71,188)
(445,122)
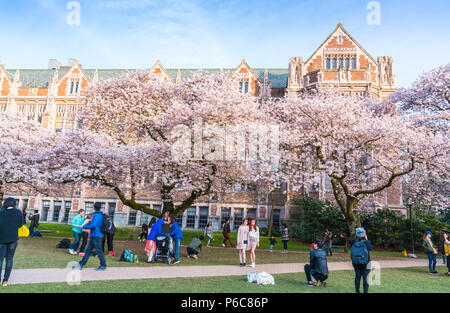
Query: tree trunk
(351,216)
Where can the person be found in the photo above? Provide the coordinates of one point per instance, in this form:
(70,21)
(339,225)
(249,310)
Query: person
(109,239)
(150,247)
(341,240)
(209,233)
(272,243)
(360,255)
(317,269)
(95,243)
(177,236)
(34,222)
(226,234)
(11,219)
(285,237)
(144,232)
(242,241)
(77,223)
(24,213)
(195,247)
(327,242)
(85,234)
(431,252)
(253,240)
(442,245)
(447,250)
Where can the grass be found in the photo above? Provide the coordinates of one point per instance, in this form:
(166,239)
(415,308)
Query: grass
(406,280)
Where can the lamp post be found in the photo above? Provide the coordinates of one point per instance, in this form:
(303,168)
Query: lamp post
(409,203)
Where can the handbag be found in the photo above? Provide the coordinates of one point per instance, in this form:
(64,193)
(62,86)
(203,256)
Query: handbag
(23,232)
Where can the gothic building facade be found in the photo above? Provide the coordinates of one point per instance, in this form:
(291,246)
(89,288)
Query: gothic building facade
(50,97)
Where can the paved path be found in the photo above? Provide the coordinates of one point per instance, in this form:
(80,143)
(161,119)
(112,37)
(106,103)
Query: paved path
(53,275)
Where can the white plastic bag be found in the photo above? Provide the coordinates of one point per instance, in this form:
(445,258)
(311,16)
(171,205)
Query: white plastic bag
(260,278)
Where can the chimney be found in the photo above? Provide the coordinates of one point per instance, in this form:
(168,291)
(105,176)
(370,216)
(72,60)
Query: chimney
(54,64)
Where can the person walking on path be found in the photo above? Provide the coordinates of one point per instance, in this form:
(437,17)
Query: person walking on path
(242,241)
(360,255)
(177,236)
(95,243)
(11,219)
(209,233)
(272,243)
(85,234)
(34,222)
(431,252)
(317,269)
(195,247)
(285,237)
(327,240)
(253,240)
(442,245)
(226,234)
(77,224)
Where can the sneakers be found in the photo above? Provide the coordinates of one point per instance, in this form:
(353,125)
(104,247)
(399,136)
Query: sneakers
(109,254)
(252,265)
(195,256)
(309,284)
(176,262)
(113,253)
(270,251)
(101,268)
(72,252)
(223,245)
(324,284)
(4,284)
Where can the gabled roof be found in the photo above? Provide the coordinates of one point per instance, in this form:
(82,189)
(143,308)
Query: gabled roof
(245,64)
(339,26)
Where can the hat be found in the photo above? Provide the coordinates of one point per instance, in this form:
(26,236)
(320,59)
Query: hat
(429,233)
(8,203)
(360,232)
(97,206)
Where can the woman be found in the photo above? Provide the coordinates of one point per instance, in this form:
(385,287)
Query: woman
(253,240)
(11,219)
(242,241)
(447,251)
(360,255)
(85,234)
(209,233)
(285,237)
(431,252)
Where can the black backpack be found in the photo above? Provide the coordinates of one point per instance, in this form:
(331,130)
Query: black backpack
(64,244)
(107,225)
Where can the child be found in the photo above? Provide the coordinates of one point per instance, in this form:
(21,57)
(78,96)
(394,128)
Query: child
(144,232)
(85,234)
(272,242)
(209,233)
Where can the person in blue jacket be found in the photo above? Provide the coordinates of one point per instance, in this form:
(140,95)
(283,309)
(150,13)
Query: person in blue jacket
(177,236)
(95,243)
(150,247)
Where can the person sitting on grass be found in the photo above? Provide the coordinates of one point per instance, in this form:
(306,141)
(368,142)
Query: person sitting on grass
(195,247)
(317,269)
(272,243)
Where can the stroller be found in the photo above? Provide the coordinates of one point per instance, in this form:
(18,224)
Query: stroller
(164,247)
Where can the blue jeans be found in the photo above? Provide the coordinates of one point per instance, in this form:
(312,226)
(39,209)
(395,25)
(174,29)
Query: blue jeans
(431,262)
(361,271)
(9,249)
(328,249)
(177,249)
(94,244)
(271,247)
(76,243)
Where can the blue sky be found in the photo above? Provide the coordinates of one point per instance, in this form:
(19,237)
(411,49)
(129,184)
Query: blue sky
(219,33)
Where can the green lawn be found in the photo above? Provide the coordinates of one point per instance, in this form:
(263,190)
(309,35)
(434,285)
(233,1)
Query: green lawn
(406,280)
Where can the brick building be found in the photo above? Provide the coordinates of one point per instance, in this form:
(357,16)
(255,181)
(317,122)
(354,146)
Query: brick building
(50,97)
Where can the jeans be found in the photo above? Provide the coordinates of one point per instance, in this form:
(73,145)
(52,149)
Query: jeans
(316,276)
(109,238)
(177,249)
(76,243)
(431,262)
(94,244)
(84,241)
(285,244)
(32,225)
(328,249)
(271,247)
(9,249)
(361,271)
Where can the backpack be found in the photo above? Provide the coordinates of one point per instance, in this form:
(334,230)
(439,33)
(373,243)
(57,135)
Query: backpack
(128,256)
(107,226)
(359,253)
(36,234)
(64,244)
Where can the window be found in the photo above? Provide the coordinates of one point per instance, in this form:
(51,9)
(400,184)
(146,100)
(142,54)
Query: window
(353,63)
(328,64)
(25,204)
(179,219)
(276,219)
(74,86)
(145,218)
(347,63)
(132,217)
(203,219)
(157,207)
(191,213)
(225,215)
(59,124)
(328,183)
(45,208)
(88,207)
(341,63)
(17,202)
(238,216)
(243,86)
(111,209)
(251,213)
(68,207)
(334,63)
(56,209)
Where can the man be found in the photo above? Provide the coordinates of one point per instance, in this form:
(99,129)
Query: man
(442,245)
(226,234)
(195,247)
(34,222)
(327,241)
(177,236)
(317,269)
(95,243)
(77,223)
(360,256)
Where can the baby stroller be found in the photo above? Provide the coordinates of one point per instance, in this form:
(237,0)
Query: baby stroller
(164,248)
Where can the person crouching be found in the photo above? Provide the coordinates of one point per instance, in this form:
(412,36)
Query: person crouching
(317,269)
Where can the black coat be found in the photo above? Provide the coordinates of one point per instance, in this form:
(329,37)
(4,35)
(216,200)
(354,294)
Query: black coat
(318,262)
(10,222)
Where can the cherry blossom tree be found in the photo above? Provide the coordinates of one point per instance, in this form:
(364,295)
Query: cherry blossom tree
(140,133)
(362,151)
